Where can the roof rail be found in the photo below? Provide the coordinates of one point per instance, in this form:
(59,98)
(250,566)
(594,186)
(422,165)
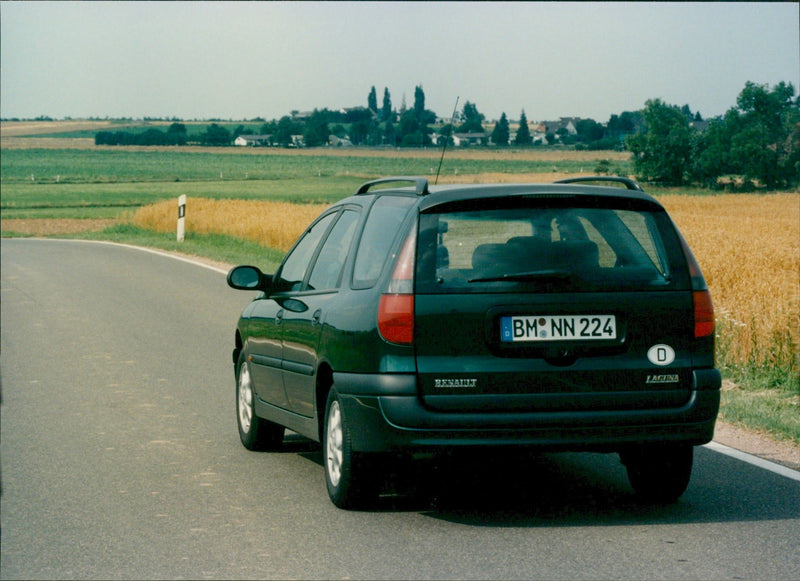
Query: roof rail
(420,184)
(629,183)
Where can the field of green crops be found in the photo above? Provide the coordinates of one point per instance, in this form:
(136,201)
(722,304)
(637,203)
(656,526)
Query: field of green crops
(89,166)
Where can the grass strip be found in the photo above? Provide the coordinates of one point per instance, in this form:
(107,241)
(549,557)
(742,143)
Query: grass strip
(217,247)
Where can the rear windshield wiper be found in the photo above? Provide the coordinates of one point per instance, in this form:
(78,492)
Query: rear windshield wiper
(535,275)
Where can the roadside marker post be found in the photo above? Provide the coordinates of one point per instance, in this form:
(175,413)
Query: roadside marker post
(181,217)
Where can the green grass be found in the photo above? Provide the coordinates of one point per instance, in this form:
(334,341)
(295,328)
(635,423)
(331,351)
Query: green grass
(765,400)
(123,165)
(103,200)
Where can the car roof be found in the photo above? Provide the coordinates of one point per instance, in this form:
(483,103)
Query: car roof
(430,196)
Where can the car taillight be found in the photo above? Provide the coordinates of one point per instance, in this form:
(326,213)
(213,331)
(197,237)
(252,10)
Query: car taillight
(396,308)
(703,308)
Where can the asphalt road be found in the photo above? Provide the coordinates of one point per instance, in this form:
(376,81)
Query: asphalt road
(120,459)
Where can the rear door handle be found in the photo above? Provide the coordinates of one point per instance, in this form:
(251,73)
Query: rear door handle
(279,317)
(316,317)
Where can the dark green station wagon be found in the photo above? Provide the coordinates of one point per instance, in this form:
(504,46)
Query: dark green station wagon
(411,318)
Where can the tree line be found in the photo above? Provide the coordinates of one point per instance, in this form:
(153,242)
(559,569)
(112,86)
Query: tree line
(757,140)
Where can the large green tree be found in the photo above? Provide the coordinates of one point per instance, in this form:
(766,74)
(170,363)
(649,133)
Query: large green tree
(757,140)
(764,143)
(663,150)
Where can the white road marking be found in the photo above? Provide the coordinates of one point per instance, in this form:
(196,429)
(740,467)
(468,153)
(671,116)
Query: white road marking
(754,460)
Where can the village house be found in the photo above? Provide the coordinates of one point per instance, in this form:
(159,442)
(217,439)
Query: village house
(253,140)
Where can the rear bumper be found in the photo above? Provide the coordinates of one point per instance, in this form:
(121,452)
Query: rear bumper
(388,415)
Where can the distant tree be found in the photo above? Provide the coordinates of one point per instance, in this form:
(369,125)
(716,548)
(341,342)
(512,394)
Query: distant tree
(152,136)
(269,128)
(663,150)
(104,138)
(389,135)
(386,110)
(413,128)
(623,123)
(523,133)
(316,132)
(284,130)
(241,130)
(589,130)
(216,135)
(176,134)
(410,126)
(473,120)
(338,130)
(758,139)
(500,133)
(446,133)
(419,101)
(374,134)
(356,115)
(359,132)
(372,100)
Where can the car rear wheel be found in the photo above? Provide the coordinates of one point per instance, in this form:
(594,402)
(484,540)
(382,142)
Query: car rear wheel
(349,481)
(256,433)
(659,474)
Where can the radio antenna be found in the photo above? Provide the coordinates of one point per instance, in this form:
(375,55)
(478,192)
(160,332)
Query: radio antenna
(446,139)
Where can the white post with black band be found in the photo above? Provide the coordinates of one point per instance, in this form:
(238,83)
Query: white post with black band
(181,217)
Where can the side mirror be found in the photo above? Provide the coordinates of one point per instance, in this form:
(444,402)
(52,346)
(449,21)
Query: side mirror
(248,278)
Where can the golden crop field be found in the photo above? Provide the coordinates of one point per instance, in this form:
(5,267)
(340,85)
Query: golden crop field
(748,247)
(271,224)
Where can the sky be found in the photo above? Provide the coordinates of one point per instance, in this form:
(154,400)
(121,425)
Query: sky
(243,60)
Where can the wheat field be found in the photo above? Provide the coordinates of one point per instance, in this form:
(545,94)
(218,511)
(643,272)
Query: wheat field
(748,247)
(271,224)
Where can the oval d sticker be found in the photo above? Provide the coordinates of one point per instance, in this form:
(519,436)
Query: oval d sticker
(661,354)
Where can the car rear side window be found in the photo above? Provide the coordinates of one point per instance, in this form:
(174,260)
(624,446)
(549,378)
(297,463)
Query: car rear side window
(385,218)
(554,249)
(329,263)
(296,263)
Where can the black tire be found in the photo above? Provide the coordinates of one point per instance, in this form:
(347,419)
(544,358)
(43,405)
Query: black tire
(659,474)
(256,433)
(350,482)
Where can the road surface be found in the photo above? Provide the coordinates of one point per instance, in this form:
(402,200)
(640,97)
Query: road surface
(120,459)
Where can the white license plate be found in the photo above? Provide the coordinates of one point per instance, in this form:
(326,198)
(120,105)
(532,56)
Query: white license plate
(558,328)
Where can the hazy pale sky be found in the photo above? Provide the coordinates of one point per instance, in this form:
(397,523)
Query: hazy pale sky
(263,59)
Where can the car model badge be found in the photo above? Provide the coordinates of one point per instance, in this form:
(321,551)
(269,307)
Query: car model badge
(454,383)
(670,378)
(661,354)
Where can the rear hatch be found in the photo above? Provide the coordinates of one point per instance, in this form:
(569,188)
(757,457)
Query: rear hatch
(552,303)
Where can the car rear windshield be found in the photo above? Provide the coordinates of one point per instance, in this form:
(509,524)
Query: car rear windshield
(553,247)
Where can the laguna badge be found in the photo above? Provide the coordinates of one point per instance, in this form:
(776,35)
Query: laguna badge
(664,378)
